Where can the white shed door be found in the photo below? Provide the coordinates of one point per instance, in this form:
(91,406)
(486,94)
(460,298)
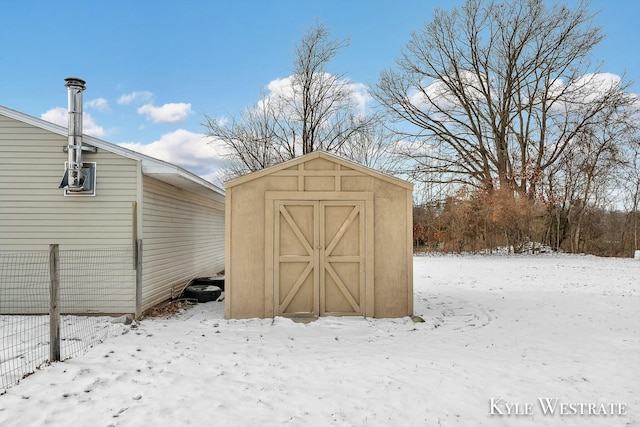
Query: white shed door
(319,257)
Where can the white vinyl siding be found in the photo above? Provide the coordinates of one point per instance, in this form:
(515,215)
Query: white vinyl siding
(34,213)
(33,210)
(183,238)
(182,230)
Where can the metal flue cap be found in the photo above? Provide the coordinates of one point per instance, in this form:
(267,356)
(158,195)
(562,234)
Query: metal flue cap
(75,81)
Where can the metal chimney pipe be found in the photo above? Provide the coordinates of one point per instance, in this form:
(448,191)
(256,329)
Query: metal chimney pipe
(76,86)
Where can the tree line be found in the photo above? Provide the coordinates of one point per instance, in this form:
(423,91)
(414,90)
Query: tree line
(498,113)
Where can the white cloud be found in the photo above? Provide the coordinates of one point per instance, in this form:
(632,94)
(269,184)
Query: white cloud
(192,151)
(167,113)
(436,96)
(578,94)
(137,97)
(91,128)
(281,87)
(566,96)
(592,87)
(636,103)
(283,94)
(361,96)
(60,116)
(99,104)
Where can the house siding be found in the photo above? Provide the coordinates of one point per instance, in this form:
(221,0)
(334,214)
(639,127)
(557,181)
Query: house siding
(183,238)
(34,213)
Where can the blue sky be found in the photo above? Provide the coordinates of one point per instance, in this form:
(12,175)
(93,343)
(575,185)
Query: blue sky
(153,68)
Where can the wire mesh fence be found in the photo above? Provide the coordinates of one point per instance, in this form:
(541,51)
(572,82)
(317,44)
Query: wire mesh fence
(23,339)
(93,282)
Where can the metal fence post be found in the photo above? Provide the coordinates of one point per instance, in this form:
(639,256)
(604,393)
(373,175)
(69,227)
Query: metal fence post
(54,303)
(138,258)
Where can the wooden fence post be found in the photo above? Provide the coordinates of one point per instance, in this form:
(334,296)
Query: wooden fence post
(54,303)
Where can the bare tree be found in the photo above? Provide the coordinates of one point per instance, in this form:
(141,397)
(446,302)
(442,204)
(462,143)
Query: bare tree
(320,98)
(253,141)
(308,111)
(635,204)
(590,168)
(497,90)
(631,187)
(376,146)
(594,173)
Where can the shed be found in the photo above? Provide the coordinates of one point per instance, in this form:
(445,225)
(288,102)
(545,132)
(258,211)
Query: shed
(171,220)
(318,235)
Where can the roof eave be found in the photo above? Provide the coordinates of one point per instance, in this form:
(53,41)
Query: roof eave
(151,166)
(316,154)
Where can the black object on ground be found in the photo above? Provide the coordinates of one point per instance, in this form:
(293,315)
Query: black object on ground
(202,293)
(204,289)
(215,281)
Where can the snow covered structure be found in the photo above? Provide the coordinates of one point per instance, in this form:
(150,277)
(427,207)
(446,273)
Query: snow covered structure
(318,235)
(172,220)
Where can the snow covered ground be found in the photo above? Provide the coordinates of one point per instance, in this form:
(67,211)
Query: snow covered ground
(534,331)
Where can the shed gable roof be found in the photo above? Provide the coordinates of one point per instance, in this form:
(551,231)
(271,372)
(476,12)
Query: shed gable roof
(155,168)
(319,155)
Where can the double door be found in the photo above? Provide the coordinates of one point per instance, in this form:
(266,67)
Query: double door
(319,257)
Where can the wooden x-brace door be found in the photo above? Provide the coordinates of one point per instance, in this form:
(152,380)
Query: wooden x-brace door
(319,257)
(342,257)
(295,257)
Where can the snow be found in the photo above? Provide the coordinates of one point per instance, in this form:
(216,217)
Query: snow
(26,340)
(514,329)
